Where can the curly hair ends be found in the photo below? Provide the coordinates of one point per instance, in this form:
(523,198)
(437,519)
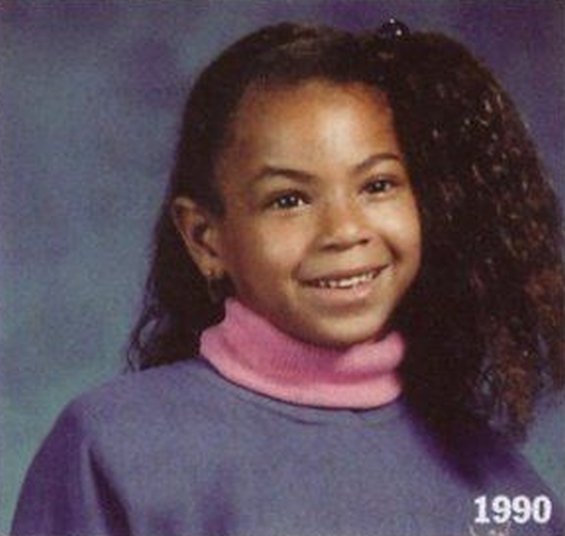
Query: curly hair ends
(486,318)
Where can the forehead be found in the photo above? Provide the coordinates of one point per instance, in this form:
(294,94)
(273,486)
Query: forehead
(282,116)
(291,100)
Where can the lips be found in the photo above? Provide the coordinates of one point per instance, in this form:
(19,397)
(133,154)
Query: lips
(345,280)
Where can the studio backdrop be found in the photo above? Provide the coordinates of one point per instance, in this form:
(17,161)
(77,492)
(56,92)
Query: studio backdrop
(90,99)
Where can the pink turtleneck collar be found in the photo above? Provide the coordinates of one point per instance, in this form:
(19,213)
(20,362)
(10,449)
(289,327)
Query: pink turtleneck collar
(249,351)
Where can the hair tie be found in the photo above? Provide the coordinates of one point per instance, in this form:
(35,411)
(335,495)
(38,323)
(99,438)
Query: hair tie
(393,29)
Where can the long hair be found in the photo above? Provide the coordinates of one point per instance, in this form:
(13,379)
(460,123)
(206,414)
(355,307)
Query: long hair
(486,316)
(484,320)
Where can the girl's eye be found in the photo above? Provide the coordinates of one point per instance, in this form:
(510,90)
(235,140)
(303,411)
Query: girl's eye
(287,201)
(380,185)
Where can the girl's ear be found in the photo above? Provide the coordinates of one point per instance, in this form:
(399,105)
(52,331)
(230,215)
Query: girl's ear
(199,231)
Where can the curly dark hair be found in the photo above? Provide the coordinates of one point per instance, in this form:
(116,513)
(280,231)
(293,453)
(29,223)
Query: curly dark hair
(484,320)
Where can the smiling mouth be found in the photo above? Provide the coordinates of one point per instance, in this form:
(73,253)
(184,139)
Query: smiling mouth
(345,282)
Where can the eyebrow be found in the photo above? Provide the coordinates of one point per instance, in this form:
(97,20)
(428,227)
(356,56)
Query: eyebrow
(373,160)
(268,171)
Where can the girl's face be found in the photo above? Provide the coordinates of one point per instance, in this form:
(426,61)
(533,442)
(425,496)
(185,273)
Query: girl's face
(321,233)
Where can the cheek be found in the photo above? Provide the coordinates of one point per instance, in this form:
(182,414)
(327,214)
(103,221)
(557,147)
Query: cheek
(253,249)
(410,235)
(401,228)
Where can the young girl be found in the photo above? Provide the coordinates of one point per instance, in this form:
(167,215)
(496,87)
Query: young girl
(356,299)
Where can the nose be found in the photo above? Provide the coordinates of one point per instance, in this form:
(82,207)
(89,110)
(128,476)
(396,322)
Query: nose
(343,225)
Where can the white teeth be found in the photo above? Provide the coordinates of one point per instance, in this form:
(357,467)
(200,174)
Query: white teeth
(346,282)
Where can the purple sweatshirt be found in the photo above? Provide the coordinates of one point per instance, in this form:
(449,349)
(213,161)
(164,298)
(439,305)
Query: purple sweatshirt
(180,451)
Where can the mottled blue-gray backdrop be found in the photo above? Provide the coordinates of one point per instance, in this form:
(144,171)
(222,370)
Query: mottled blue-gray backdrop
(89,109)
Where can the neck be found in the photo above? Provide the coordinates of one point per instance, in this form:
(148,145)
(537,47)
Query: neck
(249,351)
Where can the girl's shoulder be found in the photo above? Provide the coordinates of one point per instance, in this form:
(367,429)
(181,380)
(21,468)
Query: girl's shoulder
(136,403)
